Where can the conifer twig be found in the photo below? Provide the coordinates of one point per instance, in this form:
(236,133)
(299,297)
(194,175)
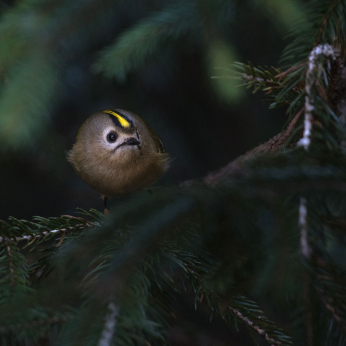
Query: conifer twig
(254,327)
(293,123)
(34,236)
(254,319)
(258,79)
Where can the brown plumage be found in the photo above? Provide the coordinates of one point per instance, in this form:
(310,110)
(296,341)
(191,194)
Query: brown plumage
(116,153)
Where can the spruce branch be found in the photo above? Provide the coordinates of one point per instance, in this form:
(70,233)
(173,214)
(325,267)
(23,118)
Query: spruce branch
(322,23)
(240,307)
(259,78)
(135,268)
(199,271)
(41,230)
(256,328)
(44,234)
(278,86)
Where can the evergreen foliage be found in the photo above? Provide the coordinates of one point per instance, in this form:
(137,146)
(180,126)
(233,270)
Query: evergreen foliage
(273,227)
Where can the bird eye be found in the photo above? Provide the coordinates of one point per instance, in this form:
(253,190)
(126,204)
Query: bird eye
(111,137)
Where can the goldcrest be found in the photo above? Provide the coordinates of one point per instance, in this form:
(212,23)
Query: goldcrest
(116,153)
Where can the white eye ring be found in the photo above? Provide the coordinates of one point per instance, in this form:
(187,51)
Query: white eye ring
(106,132)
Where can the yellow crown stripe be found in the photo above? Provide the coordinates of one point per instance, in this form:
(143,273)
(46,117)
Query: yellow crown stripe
(123,122)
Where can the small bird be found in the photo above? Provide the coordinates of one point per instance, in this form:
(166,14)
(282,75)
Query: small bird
(116,153)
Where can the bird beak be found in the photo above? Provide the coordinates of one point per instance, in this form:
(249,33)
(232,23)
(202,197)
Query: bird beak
(132,141)
(129,141)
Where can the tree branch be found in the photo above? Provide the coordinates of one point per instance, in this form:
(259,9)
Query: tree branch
(254,327)
(34,236)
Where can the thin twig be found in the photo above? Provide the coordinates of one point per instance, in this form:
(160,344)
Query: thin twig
(62,239)
(257,79)
(291,69)
(254,327)
(292,124)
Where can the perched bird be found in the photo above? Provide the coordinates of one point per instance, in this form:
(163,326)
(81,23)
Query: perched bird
(116,153)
